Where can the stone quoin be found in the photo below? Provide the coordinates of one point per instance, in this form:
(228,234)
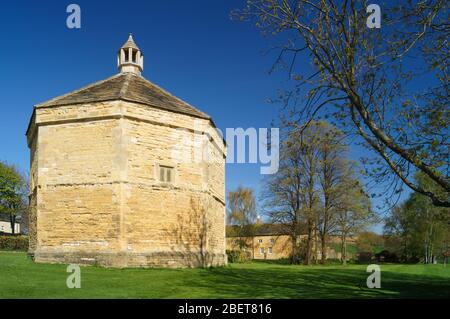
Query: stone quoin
(109,181)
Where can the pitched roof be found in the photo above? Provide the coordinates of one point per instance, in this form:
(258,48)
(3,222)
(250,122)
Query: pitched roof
(127,87)
(130,43)
(265,230)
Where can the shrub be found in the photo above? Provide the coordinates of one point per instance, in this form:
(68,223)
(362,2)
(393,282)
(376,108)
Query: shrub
(13,243)
(386,256)
(365,257)
(238,256)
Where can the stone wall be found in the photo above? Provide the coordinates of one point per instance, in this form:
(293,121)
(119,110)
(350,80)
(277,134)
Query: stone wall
(281,246)
(97,197)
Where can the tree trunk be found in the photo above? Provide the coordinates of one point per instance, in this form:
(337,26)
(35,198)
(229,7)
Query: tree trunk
(294,250)
(12,220)
(316,246)
(253,247)
(324,248)
(344,249)
(308,247)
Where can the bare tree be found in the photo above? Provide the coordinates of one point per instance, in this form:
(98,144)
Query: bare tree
(333,171)
(354,213)
(362,77)
(290,196)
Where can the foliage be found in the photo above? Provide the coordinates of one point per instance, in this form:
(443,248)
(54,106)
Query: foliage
(361,78)
(13,243)
(12,193)
(364,257)
(386,256)
(334,170)
(290,196)
(316,187)
(354,215)
(238,256)
(242,213)
(352,249)
(416,229)
(369,241)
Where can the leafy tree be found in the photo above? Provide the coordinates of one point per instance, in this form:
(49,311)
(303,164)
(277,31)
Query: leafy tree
(12,193)
(369,242)
(421,228)
(362,78)
(242,213)
(354,213)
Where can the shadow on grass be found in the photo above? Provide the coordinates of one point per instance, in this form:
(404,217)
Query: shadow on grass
(318,282)
(21,278)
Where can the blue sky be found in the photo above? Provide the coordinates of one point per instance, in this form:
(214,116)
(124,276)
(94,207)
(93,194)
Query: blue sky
(219,68)
(192,49)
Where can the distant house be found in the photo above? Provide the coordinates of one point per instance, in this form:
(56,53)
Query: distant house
(272,241)
(5,225)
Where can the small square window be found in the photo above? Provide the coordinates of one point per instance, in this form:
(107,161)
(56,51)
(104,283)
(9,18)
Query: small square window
(272,241)
(260,241)
(166,174)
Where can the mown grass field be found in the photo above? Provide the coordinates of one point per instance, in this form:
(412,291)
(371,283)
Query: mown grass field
(21,278)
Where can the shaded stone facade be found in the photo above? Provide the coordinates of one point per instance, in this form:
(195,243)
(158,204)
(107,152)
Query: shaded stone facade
(124,174)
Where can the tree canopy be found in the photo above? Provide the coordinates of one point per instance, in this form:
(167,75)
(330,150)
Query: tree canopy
(420,229)
(389,86)
(12,192)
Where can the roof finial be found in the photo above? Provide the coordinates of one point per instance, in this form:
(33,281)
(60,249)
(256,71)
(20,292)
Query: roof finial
(130,58)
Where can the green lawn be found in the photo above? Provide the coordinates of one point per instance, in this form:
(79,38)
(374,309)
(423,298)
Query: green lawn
(21,278)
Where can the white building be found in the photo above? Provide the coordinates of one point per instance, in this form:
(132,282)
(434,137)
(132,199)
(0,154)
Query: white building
(5,227)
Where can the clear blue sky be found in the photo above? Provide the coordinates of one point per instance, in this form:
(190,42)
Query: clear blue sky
(191,48)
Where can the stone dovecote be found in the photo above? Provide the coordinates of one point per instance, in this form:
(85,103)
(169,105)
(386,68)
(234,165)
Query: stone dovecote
(124,174)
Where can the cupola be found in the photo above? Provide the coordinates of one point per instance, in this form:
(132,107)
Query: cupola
(129,58)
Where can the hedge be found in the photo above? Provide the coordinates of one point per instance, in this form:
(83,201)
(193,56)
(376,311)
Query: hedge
(14,243)
(238,256)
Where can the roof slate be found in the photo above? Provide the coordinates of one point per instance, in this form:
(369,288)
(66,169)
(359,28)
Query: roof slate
(128,87)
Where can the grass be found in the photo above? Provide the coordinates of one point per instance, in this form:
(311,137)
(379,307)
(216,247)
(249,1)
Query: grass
(22,278)
(352,249)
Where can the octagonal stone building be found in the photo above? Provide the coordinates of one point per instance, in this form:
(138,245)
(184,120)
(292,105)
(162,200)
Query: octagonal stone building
(124,174)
